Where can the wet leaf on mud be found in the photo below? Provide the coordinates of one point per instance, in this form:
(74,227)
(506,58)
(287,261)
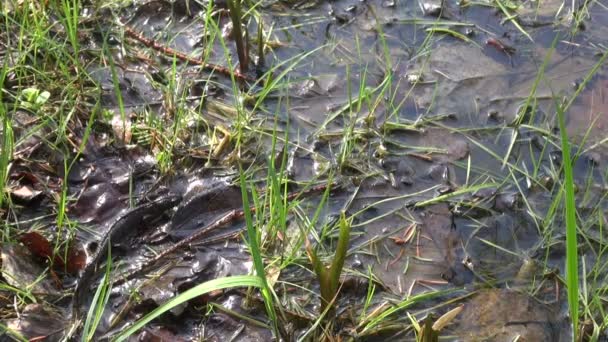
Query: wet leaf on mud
(37,244)
(21,270)
(504,315)
(182,275)
(98,203)
(438,224)
(465,73)
(202,204)
(40,247)
(24,194)
(39,323)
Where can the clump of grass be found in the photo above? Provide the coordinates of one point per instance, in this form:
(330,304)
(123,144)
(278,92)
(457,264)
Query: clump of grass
(572,232)
(69,15)
(329,276)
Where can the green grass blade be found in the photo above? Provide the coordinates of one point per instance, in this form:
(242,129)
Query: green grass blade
(102,295)
(256,253)
(571,229)
(15,335)
(453,34)
(6,154)
(206,287)
(530,100)
(338,262)
(513,20)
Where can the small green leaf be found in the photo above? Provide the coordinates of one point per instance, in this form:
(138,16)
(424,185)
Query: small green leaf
(33,98)
(42,98)
(30,94)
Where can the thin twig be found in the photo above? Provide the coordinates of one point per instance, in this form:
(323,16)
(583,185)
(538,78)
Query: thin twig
(181,56)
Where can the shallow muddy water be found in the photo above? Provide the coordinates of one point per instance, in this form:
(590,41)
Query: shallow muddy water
(443,149)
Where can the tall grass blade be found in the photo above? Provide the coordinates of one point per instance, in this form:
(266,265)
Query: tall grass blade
(260,64)
(571,228)
(6,154)
(102,295)
(256,254)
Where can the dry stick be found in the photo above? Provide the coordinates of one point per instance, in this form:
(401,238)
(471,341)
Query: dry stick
(181,56)
(231,216)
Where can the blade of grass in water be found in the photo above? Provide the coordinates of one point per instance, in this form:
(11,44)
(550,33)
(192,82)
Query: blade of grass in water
(571,231)
(256,254)
(530,100)
(208,286)
(513,20)
(452,33)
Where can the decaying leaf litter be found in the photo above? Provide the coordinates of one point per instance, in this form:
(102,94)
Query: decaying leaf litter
(430,125)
